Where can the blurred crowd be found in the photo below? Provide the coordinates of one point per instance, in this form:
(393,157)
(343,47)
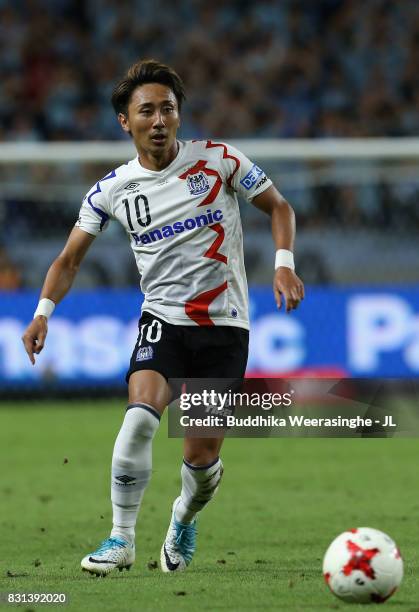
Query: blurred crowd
(271,68)
(252,69)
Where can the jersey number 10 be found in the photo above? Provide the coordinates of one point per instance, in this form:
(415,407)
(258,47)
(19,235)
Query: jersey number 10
(143,218)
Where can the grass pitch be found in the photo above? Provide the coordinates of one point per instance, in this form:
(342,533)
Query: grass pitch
(260,543)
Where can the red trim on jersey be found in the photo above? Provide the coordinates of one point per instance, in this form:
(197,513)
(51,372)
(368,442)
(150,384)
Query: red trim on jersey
(197,308)
(215,189)
(226,155)
(200,165)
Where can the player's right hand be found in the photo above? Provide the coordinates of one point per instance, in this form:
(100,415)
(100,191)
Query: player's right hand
(34,337)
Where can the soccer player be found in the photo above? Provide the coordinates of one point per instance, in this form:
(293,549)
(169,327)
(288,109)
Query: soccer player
(178,204)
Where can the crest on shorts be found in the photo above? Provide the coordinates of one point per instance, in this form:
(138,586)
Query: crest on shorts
(197,183)
(144,353)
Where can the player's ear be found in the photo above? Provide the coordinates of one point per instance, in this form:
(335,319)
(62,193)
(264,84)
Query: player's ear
(124,122)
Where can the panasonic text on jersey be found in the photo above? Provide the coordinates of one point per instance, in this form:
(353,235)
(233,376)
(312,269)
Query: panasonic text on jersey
(191,223)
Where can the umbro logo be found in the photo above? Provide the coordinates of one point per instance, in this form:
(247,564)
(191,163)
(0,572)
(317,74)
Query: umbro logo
(132,186)
(124,479)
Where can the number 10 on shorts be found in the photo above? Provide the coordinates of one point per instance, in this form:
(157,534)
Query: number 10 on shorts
(150,332)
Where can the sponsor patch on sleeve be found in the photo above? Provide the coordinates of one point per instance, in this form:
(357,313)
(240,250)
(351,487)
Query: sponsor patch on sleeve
(262,181)
(251,177)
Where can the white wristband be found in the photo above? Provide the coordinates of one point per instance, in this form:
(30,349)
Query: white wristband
(45,308)
(284,259)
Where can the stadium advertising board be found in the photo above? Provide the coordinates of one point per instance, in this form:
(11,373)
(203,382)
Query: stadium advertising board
(357,332)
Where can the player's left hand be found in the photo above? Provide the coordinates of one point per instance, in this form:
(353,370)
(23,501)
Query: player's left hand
(289,287)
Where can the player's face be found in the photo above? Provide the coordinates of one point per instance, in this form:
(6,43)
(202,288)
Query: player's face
(153,119)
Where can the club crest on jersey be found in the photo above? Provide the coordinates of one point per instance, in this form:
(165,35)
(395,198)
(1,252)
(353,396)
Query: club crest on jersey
(197,183)
(144,353)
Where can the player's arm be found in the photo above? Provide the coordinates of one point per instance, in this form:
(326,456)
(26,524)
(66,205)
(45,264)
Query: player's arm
(286,283)
(58,281)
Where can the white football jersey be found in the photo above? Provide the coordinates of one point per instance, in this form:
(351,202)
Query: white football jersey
(183,223)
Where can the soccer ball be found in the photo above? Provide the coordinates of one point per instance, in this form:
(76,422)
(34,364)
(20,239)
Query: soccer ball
(363,565)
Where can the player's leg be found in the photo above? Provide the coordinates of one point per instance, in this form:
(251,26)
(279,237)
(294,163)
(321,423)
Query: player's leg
(132,455)
(148,395)
(201,473)
(131,470)
(222,356)
(222,353)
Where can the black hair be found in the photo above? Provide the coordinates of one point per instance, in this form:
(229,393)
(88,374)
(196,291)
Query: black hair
(146,71)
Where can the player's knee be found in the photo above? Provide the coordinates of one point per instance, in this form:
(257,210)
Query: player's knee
(201,457)
(148,388)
